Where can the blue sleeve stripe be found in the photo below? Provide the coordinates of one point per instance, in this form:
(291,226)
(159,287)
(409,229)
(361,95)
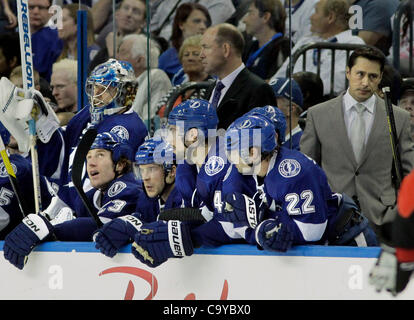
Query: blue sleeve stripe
(234,249)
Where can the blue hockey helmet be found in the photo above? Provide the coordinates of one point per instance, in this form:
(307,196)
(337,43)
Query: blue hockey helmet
(5,134)
(277,117)
(251,131)
(281,88)
(111,87)
(114,143)
(155,151)
(194,113)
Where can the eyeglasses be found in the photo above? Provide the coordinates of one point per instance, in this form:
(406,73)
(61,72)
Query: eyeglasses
(32,7)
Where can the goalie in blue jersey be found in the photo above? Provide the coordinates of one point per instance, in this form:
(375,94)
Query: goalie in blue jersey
(114,194)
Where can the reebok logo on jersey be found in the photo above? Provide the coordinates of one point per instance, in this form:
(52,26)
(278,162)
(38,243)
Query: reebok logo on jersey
(175,238)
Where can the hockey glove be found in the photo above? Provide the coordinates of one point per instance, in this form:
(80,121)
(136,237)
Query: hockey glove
(274,235)
(243,209)
(116,233)
(160,240)
(392,270)
(21,240)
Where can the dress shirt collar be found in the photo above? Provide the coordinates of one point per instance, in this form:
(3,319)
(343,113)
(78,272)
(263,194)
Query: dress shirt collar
(228,80)
(349,102)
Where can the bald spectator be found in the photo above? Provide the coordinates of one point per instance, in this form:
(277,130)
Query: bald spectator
(133,49)
(64,85)
(237,90)
(329,23)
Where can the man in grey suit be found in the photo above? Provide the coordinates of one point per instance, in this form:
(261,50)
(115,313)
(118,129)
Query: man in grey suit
(348,137)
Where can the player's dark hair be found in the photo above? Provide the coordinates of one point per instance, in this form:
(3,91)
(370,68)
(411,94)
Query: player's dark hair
(10,46)
(370,53)
(127,165)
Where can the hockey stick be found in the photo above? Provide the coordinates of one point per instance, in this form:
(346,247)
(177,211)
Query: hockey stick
(182,214)
(28,82)
(393,137)
(13,180)
(77,169)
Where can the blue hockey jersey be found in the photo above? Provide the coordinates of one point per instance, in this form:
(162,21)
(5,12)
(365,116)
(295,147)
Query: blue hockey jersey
(118,199)
(8,200)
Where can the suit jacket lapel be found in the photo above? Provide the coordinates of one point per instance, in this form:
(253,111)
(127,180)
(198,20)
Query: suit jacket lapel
(235,87)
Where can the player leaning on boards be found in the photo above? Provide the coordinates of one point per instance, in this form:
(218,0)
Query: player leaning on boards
(115,194)
(155,166)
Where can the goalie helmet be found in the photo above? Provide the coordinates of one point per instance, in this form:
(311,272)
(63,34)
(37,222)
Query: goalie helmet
(110,88)
(277,117)
(251,131)
(155,151)
(114,143)
(194,113)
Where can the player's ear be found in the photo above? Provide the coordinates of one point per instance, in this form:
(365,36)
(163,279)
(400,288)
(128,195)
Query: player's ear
(170,178)
(192,135)
(254,155)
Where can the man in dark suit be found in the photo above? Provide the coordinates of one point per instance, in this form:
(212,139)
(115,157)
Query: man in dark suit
(236,90)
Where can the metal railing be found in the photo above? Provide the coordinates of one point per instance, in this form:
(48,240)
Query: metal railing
(333,46)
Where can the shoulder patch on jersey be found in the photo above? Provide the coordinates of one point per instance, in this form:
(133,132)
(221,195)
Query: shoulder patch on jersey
(214,165)
(116,188)
(3,171)
(121,131)
(289,168)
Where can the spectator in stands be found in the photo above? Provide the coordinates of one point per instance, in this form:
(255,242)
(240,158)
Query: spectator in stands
(190,19)
(237,90)
(265,22)
(330,24)
(348,137)
(9,53)
(281,88)
(17,79)
(193,69)
(163,11)
(64,85)
(376,19)
(407,99)
(130,19)
(68,33)
(8,19)
(133,49)
(301,13)
(311,86)
(46,45)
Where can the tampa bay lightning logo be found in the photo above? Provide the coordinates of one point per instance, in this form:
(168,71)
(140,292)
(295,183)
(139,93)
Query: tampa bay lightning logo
(116,188)
(3,171)
(195,105)
(245,124)
(121,132)
(214,165)
(270,111)
(289,168)
(101,70)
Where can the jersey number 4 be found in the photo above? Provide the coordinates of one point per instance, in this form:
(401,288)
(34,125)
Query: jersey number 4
(293,201)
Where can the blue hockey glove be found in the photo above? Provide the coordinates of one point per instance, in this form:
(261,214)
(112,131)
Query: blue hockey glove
(116,233)
(243,209)
(21,240)
(160,240)
(274,235)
